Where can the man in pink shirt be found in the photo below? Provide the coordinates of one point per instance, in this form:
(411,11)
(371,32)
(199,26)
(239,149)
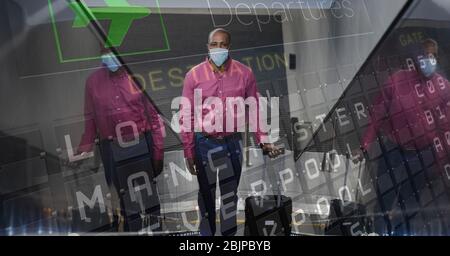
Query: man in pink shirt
(213,146)
(413,109)
(411,113)
(125,122)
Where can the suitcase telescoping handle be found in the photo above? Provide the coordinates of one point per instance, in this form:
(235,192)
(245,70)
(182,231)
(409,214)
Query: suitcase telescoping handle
(268,163)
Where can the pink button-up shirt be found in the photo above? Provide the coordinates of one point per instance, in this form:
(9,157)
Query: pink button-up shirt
(236,80)
(112,99)
(412,111)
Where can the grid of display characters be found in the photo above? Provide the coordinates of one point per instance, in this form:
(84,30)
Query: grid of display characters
(335,178)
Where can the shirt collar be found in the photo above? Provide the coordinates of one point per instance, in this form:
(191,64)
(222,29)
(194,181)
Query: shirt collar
(121,73)
(223,68)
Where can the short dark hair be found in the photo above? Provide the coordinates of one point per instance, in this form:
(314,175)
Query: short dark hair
(221,30)
(431,42)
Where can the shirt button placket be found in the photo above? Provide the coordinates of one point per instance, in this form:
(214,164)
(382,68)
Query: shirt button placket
(220,87)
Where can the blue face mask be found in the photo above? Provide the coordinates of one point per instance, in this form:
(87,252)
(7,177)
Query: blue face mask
(428,66)
(218,56)
(111,62)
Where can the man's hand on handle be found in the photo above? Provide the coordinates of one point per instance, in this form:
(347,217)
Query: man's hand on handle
(271,150)
(191,166)
(357,155)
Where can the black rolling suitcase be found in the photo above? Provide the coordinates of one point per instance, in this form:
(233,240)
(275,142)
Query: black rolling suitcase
(268,215)
(137,188)
(347,218)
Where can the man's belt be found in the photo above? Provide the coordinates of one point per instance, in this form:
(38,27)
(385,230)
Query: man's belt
(221,138)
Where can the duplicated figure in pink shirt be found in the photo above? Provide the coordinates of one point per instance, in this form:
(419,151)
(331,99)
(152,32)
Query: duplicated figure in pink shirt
(212,152)
(117,112)
(413,109)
